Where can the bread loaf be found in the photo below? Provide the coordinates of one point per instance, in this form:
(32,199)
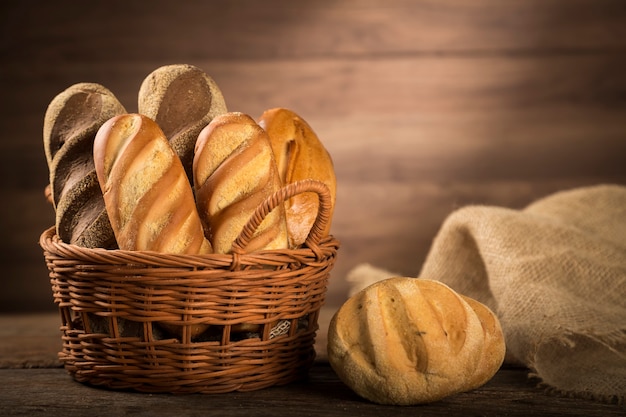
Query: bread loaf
(182,99)
(234,172)
(299,155)
(494,347)
(408,341)
(147,195)
(70,124)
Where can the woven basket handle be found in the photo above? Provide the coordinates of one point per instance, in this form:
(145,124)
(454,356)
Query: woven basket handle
(279,197)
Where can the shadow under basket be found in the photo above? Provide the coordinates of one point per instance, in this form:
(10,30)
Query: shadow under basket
(155,322)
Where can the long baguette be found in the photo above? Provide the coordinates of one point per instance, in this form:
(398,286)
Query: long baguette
(234,171)
(299,155)
(147,194)
(182,99)
(70,124)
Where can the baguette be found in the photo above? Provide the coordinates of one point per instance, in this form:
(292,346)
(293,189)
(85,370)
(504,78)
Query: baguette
(234,172)
(182,99)
(299,155)
(146,192)
(71,122)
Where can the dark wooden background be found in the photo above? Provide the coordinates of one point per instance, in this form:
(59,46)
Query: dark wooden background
(425,105)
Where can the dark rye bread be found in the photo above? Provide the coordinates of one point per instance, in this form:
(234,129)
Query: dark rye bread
(182,99)
(71,122)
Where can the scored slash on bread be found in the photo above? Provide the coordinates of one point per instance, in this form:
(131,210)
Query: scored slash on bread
(182,100)
(234,172)
(71,122)
(406,341)
(146,191)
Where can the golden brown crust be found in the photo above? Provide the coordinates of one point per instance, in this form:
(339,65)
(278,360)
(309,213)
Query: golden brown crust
(408,341)
(182,99)
(70,124)
(299,155)
(494,348)
(148,197)
(234,172)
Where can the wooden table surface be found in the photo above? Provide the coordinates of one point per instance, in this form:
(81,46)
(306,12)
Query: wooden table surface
(34,384)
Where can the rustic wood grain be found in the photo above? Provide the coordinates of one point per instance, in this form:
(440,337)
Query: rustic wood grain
(425,106)
(31,340)
(34,383)
(245,29)
(51,392)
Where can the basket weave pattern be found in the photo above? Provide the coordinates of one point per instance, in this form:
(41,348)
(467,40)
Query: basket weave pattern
(258,310)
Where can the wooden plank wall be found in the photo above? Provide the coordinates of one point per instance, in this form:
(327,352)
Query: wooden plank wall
(424,105)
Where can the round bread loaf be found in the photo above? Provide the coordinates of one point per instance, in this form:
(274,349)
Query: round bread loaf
(407,341)
(299,155)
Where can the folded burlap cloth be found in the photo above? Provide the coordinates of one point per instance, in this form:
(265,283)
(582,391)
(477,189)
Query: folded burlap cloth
(554,273)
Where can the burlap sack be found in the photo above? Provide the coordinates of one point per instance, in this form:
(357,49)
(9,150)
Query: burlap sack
(555,274)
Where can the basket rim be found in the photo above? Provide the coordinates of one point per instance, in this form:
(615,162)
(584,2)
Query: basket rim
(52,244)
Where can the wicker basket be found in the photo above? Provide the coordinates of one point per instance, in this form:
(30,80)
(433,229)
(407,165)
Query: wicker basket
(119,309)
